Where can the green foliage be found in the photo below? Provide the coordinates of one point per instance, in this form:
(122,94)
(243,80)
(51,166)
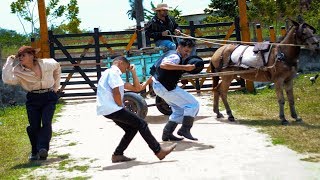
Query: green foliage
(266,11)
(223,8)
(216,19)
(312,16)
(10,41)
(67,14)
(11,38)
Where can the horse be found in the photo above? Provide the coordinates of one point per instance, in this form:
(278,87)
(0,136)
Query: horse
(280,68)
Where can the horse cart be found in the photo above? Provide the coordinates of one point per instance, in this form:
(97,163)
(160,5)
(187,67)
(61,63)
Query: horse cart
(137,104)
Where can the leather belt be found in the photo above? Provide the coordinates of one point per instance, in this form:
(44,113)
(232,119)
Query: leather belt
(40,91)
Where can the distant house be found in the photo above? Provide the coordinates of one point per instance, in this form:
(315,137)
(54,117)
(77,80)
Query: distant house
(196,18)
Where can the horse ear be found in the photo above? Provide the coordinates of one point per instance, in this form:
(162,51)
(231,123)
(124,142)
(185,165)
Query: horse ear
(295,23)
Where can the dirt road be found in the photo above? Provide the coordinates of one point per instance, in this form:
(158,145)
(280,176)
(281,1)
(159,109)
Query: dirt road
(85,142)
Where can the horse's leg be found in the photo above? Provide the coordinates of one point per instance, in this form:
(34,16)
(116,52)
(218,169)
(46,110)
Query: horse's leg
(216,95)
(224,88)
(279,92)
(289,91)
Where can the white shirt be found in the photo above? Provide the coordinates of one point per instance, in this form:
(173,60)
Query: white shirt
(110,79)
(27,79)
(172,59)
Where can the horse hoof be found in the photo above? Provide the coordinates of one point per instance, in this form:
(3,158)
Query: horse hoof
(231,119)
(299,120)
(284,122)
(219,115)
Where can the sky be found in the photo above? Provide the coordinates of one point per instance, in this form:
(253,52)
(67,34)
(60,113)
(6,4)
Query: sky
(107,15)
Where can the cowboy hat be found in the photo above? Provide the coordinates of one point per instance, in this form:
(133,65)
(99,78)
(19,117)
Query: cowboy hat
(27,49)
(198,63)
(161,6)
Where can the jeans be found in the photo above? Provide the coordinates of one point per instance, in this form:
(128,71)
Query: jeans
(181,102)
(172,46)
(166,43)
(40,110)
(131,124)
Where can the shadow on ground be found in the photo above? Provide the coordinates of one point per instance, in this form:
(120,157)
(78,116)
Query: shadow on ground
(275,123)
(33,164)
(164,119)
(130,164)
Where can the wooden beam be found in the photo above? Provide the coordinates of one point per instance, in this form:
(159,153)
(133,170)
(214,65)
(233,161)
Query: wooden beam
(44,37)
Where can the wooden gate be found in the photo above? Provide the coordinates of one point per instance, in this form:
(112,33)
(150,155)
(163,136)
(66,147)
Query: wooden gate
(83,57)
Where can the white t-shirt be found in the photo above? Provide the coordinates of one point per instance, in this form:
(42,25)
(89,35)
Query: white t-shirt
(172,59)
(110,79)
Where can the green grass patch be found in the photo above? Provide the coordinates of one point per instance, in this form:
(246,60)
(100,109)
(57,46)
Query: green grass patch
(72,144)
(66,165)
(79,168)
(62,132)
(14,143)
(261,110)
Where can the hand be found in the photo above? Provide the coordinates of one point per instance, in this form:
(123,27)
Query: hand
(132,68)
(13,57)
(177,31)
(189,67)
(165,33)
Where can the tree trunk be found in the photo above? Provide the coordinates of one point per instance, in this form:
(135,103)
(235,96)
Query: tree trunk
(138,6)
(139,11)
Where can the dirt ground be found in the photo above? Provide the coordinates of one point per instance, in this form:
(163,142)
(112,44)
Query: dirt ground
(85,143)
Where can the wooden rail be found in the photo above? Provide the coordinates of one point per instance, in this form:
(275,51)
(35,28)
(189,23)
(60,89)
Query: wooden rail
(225,73)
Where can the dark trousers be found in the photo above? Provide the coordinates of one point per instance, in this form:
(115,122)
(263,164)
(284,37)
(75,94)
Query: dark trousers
(131,124)
(40,109)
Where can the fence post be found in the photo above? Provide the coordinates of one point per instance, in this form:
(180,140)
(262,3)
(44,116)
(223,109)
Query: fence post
(192,28)
(143,35)
(51,44)
(245,33)
(259,33)
(97,51)
(272,34)
(283,31)
(139,36)
(237,27)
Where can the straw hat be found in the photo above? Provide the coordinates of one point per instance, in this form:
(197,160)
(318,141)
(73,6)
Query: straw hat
(27,49)
(161,6)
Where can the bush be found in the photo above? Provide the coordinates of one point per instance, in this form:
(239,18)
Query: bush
(11,95)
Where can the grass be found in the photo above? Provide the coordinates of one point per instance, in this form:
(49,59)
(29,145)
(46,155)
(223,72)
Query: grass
(261,110)
(14,143)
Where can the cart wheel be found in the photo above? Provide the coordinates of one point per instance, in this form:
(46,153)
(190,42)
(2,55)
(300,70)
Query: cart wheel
(136,104)
(162,106)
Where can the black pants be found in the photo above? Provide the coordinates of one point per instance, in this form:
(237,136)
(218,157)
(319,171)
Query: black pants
(40,109)
(131,124)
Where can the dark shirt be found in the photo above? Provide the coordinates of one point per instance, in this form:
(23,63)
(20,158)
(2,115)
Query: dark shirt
(156,26)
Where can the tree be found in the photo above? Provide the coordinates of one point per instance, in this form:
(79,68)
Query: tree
(269,12)
(139,11)
(132,13)
(10,41)
(223,8)
(25,10)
